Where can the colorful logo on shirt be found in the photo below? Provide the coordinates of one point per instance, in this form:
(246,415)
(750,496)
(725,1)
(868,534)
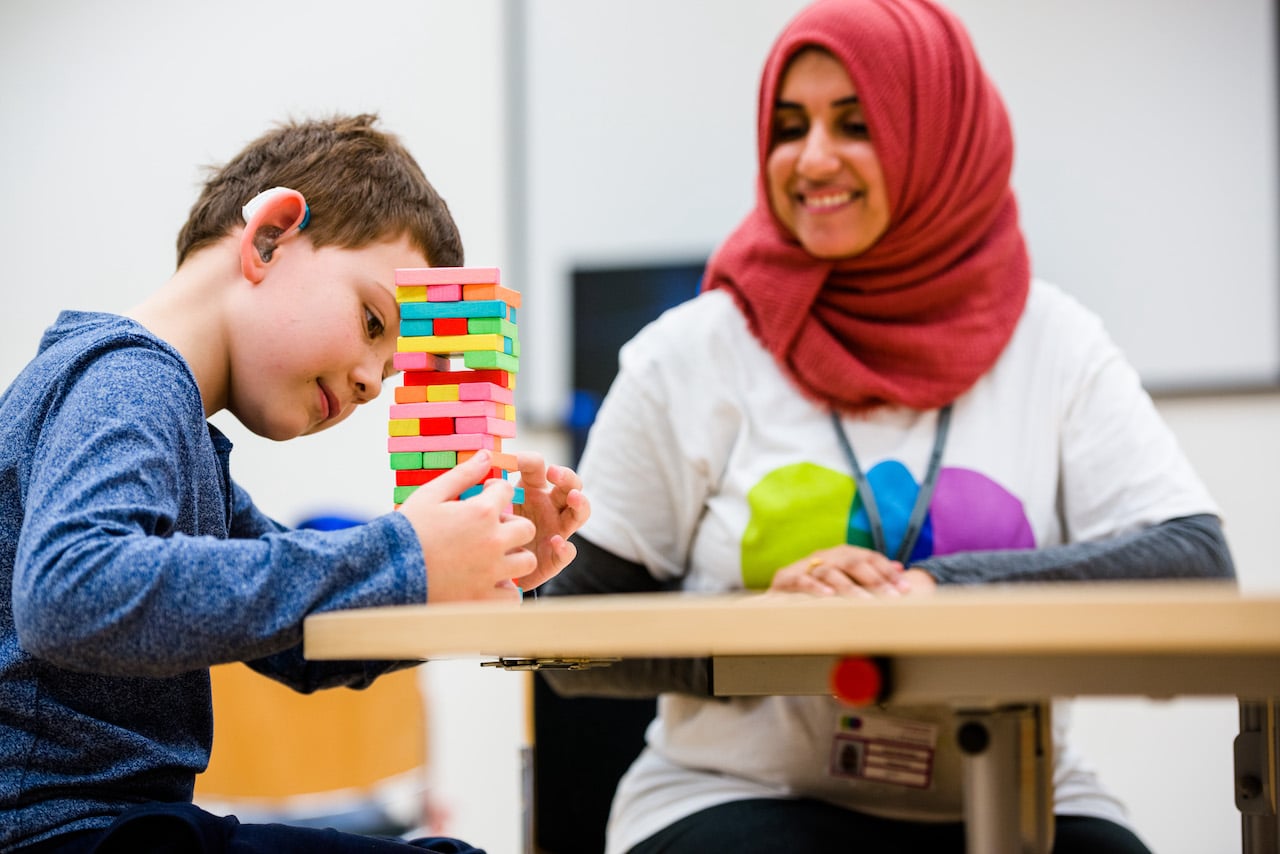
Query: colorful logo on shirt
(801,508)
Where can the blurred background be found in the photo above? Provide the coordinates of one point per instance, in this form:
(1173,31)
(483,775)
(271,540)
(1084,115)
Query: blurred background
(598,152)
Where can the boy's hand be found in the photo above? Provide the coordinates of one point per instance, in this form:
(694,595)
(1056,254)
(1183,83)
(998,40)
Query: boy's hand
(472,548)
(554,502)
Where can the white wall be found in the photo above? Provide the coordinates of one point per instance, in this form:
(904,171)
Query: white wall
(109,108)
(1145,163)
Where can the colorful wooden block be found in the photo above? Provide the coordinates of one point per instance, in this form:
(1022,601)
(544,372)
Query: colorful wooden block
(479,359)
(478,292)
(453,326)
(402,427)
(442,392)
(452,442)
(447,275)
(411,393)
(444,293)
(506,379)
(437,426)
(419,362)
(417,477)
(452,344)
(517,498)
(462,308)
(406,460)
(480,325)
(441,459)
(484,424)
(448,409)
(410,327)
(506,462)
(484,391)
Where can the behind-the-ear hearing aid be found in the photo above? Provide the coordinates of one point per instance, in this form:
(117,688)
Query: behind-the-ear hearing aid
(252,208)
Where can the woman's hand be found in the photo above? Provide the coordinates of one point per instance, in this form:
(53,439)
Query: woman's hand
(849,571)
(555,504)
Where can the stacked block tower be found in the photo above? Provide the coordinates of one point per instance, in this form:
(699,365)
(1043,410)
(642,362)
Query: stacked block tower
(459,354)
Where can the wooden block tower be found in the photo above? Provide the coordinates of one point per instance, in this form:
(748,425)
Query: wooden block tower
(458,352)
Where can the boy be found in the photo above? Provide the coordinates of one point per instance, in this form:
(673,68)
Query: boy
(130,561)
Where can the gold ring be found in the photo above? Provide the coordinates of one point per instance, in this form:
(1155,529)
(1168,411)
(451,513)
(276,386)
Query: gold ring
(812,568)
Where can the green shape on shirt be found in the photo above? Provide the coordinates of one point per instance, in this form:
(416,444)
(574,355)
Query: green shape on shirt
(795,510)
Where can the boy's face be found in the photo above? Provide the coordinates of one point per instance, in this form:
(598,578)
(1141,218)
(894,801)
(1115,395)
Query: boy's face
(316,336)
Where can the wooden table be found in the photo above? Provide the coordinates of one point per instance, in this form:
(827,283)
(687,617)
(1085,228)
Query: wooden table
(996,654)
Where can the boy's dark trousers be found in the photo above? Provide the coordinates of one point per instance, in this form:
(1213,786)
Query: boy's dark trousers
(186,829)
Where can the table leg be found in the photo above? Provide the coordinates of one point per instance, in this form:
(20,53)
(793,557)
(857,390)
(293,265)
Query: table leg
(1257,771)
(1008,779)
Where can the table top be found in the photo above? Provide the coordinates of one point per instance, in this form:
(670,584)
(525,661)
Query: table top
(1148,618)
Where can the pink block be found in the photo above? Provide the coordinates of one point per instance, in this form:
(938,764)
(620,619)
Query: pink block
(444,293)
(452,442)
(485,391)
(420,362)
(492,426)
(448,276)
(446,409)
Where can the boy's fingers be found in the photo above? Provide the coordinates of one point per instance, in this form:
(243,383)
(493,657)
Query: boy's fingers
(518,532)
(463,476)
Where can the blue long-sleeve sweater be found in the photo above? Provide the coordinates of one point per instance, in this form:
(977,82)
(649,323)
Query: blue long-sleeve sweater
(129,564)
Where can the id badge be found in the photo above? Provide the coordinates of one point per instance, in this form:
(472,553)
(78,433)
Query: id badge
(878,749)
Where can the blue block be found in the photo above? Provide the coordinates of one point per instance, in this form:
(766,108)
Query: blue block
(460,308)
(416,327)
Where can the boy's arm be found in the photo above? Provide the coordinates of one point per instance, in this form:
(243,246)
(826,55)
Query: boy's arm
(123,565)
(290,667)
(247,521)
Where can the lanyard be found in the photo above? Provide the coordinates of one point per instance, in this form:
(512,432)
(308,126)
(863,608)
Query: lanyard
(923,497)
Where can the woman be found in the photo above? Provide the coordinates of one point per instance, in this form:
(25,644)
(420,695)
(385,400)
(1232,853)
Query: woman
(870,397)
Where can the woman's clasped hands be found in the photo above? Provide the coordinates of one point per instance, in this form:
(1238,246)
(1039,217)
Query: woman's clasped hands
(850,571)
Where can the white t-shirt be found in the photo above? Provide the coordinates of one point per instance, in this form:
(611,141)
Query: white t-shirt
(706,464)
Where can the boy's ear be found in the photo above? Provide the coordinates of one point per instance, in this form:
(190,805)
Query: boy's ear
(270,217)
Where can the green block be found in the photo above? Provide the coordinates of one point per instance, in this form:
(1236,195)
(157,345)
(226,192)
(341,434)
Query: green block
(481,325)
(406,460)
(403,492)
(439,459)
(489,359)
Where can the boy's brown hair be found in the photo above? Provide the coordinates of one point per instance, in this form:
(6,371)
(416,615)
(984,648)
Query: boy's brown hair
(361,185)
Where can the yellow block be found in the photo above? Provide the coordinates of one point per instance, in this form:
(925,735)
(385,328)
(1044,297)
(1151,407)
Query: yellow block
(442,344)
(437,393)
(403,427)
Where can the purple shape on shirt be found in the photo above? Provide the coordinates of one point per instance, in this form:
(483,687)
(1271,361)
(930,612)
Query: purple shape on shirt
(971,512)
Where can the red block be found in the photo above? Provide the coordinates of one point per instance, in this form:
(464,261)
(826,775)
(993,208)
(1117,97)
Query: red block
(417,477)
(449,326)
(435,426)
(487,375)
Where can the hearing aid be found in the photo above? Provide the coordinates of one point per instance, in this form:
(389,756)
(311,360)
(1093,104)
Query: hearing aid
(252,208)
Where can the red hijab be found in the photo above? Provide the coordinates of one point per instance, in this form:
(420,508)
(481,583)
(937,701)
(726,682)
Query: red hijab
(918,317)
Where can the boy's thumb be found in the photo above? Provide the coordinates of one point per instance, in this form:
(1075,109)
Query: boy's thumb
(463,476)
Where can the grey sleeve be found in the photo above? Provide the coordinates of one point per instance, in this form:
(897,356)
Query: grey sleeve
(596,571)
(1190,547)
